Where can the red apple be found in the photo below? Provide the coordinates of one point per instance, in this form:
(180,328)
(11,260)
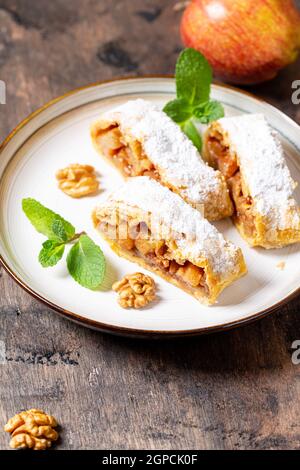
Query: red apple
(246,41)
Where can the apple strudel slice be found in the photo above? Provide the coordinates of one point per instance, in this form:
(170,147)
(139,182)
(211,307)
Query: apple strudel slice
(147,223)
(141,140)
(250,156)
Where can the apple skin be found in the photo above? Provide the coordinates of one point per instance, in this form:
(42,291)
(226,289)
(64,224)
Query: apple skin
(245,41)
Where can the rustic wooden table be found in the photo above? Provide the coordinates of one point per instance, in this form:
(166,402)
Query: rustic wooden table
(236,390)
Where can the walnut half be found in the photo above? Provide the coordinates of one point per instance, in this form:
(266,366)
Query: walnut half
(77,180)
(32,429)
(135,290)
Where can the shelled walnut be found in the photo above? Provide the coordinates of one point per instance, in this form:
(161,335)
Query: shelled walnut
(77,180)
(32,429)
(135,290)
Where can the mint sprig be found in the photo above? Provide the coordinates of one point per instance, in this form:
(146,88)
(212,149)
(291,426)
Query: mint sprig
(193,86)
(85,261)
(46,221)
(191,131)
(208,112)
(193,77)
(51,253)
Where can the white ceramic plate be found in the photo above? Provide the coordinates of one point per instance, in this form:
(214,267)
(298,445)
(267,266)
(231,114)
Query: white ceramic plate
(57,135)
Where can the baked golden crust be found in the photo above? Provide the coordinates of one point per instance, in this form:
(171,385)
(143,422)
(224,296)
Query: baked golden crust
(140,140)
(261,188)
(160,232)
(215,287)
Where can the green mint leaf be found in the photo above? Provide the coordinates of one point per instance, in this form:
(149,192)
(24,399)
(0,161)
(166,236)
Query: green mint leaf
(43,219)
(178,110)
(86,263)
(208,112)
(191,131)
(51,253)
(59,230)
(193,77)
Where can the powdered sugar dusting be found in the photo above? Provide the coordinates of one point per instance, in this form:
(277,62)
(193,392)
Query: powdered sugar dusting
(169,149)
(264,169)
(194,235)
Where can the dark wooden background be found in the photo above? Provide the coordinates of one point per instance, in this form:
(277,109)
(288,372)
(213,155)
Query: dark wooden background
(236,390)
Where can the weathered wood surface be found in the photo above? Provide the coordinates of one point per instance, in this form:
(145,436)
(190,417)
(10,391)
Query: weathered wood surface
(237,390)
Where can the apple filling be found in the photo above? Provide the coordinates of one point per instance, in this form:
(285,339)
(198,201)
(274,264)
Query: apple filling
(162,255)
(224,160)
(129,158)
(243,204)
